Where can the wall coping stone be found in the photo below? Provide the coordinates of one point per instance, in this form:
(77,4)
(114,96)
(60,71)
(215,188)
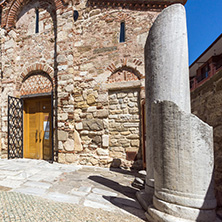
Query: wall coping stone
(122,85)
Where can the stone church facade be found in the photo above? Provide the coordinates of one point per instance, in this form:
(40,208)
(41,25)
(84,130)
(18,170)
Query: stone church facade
(77,67)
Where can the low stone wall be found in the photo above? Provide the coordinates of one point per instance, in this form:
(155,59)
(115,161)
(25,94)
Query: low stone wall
(107,128)
(206,103)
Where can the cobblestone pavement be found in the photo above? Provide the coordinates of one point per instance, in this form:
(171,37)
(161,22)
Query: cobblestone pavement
(35,190)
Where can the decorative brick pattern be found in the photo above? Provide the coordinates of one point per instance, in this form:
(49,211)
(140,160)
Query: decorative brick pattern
(36,84)
(126,71)
(121,76)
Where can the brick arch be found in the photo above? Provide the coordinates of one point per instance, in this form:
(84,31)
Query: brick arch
(15,6)
(124,71)
(123,74)
(37,67)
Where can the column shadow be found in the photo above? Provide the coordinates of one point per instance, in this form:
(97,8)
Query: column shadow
(129,203)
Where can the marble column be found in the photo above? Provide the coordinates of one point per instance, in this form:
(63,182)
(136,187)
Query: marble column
(166,68)
(179,148)
(183,166)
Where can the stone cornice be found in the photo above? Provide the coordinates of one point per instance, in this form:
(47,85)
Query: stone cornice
(136,3)
(127,2)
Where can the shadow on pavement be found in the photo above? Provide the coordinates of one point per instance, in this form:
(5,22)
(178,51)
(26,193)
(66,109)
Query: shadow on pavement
(128,204)
(125,172)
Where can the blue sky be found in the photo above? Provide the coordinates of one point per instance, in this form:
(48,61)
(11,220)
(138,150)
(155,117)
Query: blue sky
(204,22)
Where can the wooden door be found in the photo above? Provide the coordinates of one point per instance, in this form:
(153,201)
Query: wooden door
(37,128)
(45,129)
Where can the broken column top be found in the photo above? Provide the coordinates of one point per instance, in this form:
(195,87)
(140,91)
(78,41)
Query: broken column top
(166,55)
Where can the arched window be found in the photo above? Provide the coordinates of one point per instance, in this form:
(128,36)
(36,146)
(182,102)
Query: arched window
(75,15)
(37,21)
(122,32)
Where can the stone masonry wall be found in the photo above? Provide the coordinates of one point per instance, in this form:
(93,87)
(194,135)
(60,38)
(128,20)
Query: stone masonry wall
(83,54)
(21,47)
(207,105)
(125,126)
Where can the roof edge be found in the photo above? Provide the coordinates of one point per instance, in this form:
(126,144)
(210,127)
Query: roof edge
(218,38)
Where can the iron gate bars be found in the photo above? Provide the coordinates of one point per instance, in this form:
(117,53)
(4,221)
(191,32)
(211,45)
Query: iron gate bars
(15,127)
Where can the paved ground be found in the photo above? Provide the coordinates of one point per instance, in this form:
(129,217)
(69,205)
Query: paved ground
(35,190)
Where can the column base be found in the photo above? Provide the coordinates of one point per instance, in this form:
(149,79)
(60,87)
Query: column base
(162,217)
(163,211)
(154,215)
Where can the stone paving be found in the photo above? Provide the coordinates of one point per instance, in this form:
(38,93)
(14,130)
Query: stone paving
(35,190)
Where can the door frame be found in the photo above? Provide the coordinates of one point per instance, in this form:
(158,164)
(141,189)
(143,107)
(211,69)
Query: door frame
(36,96)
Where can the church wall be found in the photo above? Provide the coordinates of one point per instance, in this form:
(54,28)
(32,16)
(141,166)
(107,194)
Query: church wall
(85,62)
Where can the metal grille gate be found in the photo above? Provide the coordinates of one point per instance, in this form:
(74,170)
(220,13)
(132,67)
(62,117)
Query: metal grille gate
(15,127)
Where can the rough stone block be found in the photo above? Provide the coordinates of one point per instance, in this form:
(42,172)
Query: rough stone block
(97,140)
(70,157)
(105,140)
(69,145)
(9,44)
(135,143)
(91,99)
(69,88)
(77,142)
(129,125)
(91,109)
(93,161)
(121,95)
(62,135)
(102,152)
(79,126)
(101,113)
(116,154)
(61,158)
(78,98)
(63,116)
(60,145)
(93,124)
(102,98)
